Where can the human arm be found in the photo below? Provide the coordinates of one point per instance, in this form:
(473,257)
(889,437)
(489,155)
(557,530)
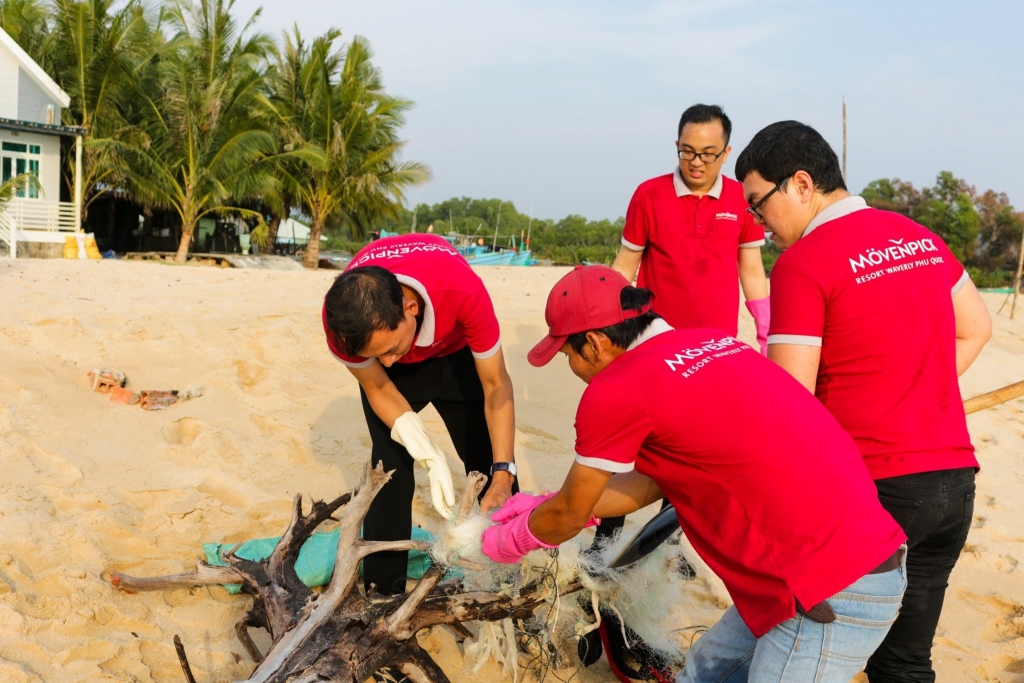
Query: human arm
(627,262)
(385,399)
(626,493)
(753,281)
(567,513)
(407,429)
(499,412)
(973,325)
(798,360)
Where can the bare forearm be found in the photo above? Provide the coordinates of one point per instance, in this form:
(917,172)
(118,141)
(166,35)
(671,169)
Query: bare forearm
(967,351)
(387,402)
(625,494)
(500,414)
(753,281)
(560,518)
(973,326)
(627,262)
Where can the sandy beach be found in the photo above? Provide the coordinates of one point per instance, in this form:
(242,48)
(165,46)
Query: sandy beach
(88,486)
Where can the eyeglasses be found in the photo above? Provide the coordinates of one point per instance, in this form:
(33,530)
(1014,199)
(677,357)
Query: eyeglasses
(755,209)
(706,157)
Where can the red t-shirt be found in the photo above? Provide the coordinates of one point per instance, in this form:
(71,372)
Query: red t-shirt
(776,499)
(457,309)
(690,247)
(874,290)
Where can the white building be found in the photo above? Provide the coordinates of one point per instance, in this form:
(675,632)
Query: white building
(30,132)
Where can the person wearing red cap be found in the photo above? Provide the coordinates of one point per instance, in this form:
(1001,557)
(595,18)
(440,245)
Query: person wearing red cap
(791,523)
(414,325)
(689,236)
(873,314)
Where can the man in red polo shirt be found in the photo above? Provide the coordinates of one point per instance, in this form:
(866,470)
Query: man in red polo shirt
(689,234)
(414,325)
(783,510)
(874,314)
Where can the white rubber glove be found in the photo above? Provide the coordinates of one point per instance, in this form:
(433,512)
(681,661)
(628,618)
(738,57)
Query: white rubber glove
(409,432)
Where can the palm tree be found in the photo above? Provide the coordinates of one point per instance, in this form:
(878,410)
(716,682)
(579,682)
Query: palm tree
(204,152)
(335,103)
(26,22)
(97,53)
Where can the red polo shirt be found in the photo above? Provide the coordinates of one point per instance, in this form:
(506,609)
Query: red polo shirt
(777,501)
(690,247)
(457,310)
(874,290)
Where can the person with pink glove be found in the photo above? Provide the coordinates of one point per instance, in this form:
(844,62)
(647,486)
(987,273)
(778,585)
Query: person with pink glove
(791,524)
(688,234)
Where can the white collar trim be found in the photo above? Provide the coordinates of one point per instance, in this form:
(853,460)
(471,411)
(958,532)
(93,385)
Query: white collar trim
(425,337)
(844,207)
(682,190)
(657,326)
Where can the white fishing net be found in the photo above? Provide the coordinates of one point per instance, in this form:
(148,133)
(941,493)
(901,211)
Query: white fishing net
(648,596)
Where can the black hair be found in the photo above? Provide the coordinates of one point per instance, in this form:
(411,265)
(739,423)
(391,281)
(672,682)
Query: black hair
(705,113)
(781,149)
(626,332)
(360,302)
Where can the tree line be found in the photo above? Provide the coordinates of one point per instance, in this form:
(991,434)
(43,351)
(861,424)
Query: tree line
(983,230)
(190,109)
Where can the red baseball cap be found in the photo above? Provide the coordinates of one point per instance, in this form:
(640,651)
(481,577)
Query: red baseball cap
(585,299)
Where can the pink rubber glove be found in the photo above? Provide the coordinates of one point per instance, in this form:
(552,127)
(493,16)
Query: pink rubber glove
(762,311)
(518,504)
(509,542)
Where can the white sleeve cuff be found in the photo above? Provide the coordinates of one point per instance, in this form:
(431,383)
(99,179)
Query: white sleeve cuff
(349,364)
(751,245)
(798,339)
(605,465)
(964,279)
(487,354)
(632,247)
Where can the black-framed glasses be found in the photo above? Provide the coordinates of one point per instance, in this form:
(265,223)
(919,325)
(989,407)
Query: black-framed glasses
(755,209)
(706,157)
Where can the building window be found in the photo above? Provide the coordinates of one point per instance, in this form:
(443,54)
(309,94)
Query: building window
(17,159)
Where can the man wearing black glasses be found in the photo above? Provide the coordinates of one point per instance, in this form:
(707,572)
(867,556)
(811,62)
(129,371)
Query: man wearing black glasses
(876,316)
(689,235)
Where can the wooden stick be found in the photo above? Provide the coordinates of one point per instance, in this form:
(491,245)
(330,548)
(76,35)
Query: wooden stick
(183,660)
(994,398)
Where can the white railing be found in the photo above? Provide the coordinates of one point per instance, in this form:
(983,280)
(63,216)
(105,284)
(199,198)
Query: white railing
(7,234)
(36,214)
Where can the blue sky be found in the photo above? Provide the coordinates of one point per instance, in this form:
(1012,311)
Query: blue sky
(566,107)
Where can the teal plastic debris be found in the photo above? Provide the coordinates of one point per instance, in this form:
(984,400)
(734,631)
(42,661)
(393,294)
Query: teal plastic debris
(315,563)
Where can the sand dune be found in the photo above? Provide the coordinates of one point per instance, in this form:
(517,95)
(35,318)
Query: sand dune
(88,486)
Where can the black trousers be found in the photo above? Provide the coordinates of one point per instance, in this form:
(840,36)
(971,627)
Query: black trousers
(935,510)
(452,385)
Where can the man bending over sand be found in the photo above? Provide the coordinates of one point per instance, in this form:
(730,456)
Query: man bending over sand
(777,501)
(414,325)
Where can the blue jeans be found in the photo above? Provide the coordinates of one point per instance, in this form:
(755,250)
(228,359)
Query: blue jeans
(800,649)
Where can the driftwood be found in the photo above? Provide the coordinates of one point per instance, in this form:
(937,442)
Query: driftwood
(339,634)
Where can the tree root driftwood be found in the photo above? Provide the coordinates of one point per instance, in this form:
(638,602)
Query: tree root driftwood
(339,634)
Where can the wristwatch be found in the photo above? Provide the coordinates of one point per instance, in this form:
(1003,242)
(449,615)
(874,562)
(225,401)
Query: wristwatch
(509,467)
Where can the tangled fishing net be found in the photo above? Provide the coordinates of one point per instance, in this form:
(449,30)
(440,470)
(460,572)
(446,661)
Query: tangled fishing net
(646,596)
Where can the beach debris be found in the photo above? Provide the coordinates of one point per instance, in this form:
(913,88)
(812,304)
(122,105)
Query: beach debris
(103,380)
(124,396)
(158,399)
(114,383)
(338,634)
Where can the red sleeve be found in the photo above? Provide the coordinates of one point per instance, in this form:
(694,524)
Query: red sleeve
(476,315)
(751,234)
(798,306)
(337,346)
(610,429)
(637,229)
